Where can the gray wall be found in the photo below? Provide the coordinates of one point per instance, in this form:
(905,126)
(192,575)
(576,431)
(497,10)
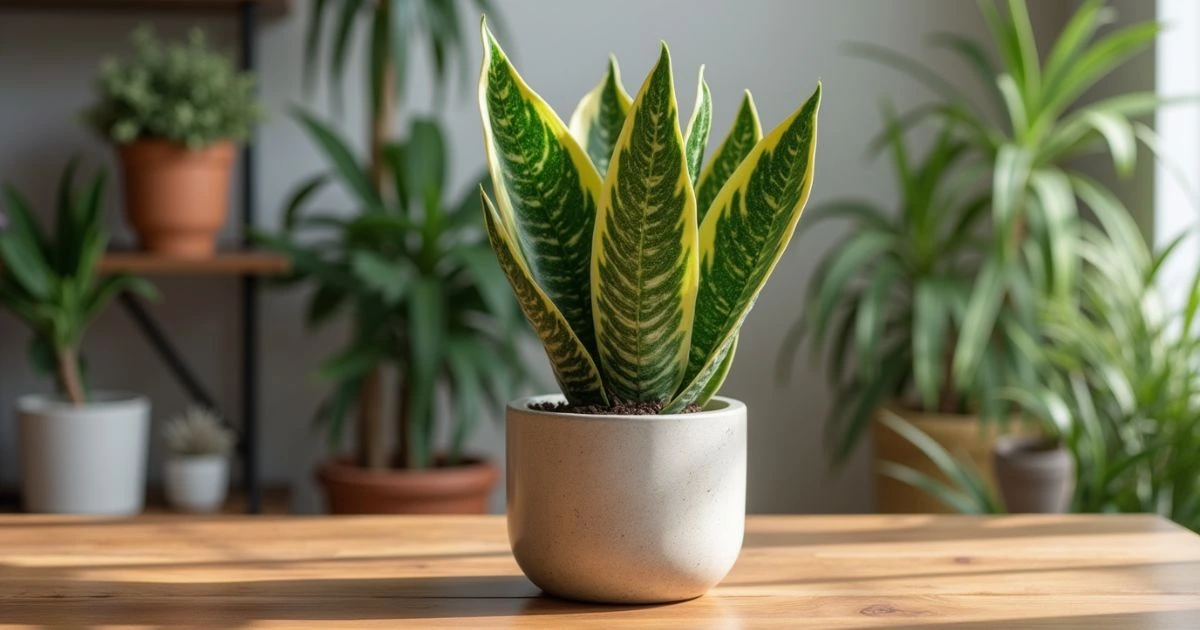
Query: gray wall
(777,48)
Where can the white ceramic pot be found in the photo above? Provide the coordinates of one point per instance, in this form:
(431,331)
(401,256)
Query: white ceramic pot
(626,509)
(87,459)
(197,483)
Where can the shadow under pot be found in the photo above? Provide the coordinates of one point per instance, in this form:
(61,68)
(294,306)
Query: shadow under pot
(1036,475)
(177,198)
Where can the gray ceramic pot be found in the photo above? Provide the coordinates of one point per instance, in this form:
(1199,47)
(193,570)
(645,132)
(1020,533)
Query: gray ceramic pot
(85,459)
(626,509)
(1035,475)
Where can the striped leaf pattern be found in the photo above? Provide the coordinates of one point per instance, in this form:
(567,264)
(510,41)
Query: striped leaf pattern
(718,377)
(696,138)
(573,366)
(745,234)
(635,262)
(645,264)
(546,187)
(598,118)
(745,133)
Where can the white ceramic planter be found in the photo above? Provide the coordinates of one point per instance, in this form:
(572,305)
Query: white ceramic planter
(89,459)
(197,483)
(626,509)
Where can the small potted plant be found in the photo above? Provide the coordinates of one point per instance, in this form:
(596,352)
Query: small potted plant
(629,487)
(197,469)
(176,114)
(81,451)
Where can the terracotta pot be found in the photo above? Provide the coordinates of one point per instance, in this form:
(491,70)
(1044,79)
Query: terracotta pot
(464,489)
(960,434)
(176,198)
(1036,475)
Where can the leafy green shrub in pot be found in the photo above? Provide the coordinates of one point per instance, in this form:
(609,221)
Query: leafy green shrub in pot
(636,267)
(82,451)
(948,345)
(176,113)
(413,270)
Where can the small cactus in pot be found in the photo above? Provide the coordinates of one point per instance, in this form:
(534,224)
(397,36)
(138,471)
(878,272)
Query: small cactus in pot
(197,470)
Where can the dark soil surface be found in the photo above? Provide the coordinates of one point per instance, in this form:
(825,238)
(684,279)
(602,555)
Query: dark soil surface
(616,409)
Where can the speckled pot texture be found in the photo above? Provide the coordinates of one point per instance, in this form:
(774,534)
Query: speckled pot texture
(626,509)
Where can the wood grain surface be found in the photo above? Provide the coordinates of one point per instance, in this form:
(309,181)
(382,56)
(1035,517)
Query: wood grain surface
(1093,572)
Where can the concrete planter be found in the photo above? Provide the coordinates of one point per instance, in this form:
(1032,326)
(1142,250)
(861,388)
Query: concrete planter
(87,459)
(197,483)
(1035,475)
(626,509)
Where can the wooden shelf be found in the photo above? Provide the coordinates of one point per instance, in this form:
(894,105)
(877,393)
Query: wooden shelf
(273,7)
(230,263)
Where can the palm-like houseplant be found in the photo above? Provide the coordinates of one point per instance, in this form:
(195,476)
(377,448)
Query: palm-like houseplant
(1026,137)
(393,29)
(636,267)
(415,273)
(82,451)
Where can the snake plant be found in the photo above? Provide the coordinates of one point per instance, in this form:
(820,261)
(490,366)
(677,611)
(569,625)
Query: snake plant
(635,265)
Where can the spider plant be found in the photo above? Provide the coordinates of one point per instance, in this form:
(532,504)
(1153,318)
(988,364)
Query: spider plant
(944,336)
(1030,129)
(1118,383)
(886,303)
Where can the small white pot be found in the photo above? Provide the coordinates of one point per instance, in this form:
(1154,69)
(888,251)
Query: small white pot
(197,483)
(626,509)
(87,459)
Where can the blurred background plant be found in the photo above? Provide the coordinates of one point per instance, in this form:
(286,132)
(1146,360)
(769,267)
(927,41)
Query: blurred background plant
(422,286)
(923,310)
(50,280)
(184,93)
(198,431)
(883,306)
(1030,134)
(1118,382)
(393,28)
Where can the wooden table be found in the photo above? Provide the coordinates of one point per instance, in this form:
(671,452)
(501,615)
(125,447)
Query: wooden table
(1092,572)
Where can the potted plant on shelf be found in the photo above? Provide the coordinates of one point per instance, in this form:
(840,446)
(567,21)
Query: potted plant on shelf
(946,348)
(81,451)
(630,486)
(197,469)
(427,298)
(176,114)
